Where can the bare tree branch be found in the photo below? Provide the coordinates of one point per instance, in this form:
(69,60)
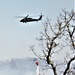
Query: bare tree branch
(68,65)
(63,30)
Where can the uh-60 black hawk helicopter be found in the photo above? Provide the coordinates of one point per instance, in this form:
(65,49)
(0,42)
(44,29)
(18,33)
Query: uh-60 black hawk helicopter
(28,19)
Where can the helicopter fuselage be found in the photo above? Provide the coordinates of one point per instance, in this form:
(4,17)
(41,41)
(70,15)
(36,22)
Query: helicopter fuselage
(27,19)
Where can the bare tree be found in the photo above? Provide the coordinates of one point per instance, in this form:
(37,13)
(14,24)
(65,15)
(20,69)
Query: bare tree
(55,37)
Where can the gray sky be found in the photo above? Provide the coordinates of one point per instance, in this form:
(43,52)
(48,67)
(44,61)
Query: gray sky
(16,37)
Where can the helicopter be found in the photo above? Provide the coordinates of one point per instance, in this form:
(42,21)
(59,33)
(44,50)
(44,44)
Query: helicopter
(29,19)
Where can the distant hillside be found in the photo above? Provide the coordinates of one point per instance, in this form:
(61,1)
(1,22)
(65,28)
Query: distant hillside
(25,66)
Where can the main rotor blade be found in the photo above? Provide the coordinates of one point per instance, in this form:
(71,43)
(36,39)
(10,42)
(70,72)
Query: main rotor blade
(27,16)
(19,17)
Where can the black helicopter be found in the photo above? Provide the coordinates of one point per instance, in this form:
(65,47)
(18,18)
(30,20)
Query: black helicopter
(28,19)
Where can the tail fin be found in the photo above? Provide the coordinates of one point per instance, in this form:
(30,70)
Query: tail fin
(40,17)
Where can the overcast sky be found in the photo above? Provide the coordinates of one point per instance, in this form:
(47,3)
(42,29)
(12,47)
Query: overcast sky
(16,37)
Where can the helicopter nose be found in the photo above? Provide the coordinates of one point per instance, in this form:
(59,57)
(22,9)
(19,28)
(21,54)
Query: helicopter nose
(20,20)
